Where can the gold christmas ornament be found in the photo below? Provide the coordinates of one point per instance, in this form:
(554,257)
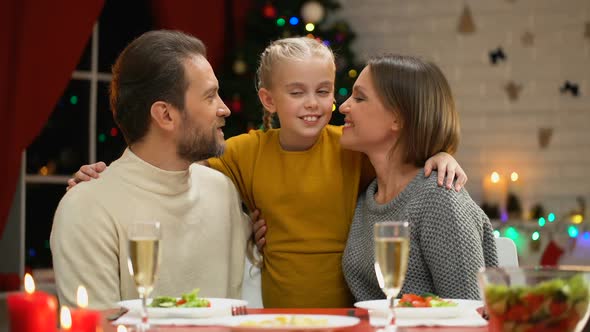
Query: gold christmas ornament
(513,90)
(528,39)
(545,135)
(466,24)
(239,67)
(312,12)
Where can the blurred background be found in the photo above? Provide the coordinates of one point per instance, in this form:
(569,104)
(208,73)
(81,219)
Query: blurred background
(519,70)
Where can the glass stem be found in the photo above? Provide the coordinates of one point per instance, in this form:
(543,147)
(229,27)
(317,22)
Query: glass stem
(391,313)
(144,317)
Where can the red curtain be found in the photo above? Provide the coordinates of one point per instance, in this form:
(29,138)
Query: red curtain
(41,43)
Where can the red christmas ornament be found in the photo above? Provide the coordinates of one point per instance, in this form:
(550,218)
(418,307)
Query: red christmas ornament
(236,104)
(269,11)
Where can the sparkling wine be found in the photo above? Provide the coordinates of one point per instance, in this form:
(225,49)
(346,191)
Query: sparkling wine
(391,263)
(144,257)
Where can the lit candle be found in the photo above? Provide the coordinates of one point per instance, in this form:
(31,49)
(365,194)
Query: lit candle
(32,311)
(515,186)
(515,199)
(65,318)
(495,191)
(84,320)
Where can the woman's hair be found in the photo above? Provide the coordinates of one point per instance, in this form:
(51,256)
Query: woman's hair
(149,69)
(418,92)
(287,49)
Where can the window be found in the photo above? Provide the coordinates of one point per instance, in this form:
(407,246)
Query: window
(81,129)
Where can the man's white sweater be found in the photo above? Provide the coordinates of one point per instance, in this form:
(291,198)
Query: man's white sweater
(204,232)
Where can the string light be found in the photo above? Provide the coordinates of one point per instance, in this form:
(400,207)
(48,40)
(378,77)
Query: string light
(577,219)
(343,91)
(551,217)
(281,22)
(535,236)
(514,176)
(293,20)
(114,132)
(44,171)
(572,231)
(102,138)
(352,73)
(541,222)
(73,100)
(511,233)
(496,233)
(310,27)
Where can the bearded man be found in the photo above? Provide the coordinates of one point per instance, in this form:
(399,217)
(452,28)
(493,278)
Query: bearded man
(164,98)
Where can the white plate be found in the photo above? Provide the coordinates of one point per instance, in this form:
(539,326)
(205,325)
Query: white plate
(331,321)
(219,307)
(463,306)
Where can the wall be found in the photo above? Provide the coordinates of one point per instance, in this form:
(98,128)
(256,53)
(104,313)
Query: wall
(499,134)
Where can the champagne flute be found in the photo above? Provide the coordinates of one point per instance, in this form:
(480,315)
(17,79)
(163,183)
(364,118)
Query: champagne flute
(392,246)
(144,261)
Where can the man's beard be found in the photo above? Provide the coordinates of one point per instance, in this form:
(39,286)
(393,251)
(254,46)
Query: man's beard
(195,145)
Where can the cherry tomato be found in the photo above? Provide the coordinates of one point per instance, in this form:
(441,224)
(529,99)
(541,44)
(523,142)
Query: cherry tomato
(419,304)
(557,308)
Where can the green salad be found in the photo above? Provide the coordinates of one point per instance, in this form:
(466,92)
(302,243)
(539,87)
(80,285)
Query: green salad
(554,305)
(187,300)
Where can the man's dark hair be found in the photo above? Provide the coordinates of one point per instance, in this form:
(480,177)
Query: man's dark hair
(151,68)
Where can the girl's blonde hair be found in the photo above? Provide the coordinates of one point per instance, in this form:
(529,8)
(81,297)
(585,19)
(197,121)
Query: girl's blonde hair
(287,49)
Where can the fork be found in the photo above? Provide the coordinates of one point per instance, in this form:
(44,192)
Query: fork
(238,310)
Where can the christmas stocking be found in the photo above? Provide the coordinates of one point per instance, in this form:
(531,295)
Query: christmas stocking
(552,254)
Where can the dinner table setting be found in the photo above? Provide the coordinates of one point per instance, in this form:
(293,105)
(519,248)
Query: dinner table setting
(550,299)
(33,310)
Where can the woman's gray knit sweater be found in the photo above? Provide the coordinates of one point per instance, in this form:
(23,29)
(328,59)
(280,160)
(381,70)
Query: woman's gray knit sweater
(450,240)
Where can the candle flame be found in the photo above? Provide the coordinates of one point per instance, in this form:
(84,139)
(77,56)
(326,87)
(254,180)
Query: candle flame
(65,318)
(495,178)
(514,176)
(121,328)
(29,284)
(82,297)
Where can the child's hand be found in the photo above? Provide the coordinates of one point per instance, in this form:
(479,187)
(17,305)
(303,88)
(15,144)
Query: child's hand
(445,164)
(259,230)
(86,173)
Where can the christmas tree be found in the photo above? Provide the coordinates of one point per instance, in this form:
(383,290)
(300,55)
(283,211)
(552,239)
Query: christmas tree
(271,20)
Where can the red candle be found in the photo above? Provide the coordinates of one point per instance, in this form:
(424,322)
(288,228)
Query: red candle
(82,319)
(32,311)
